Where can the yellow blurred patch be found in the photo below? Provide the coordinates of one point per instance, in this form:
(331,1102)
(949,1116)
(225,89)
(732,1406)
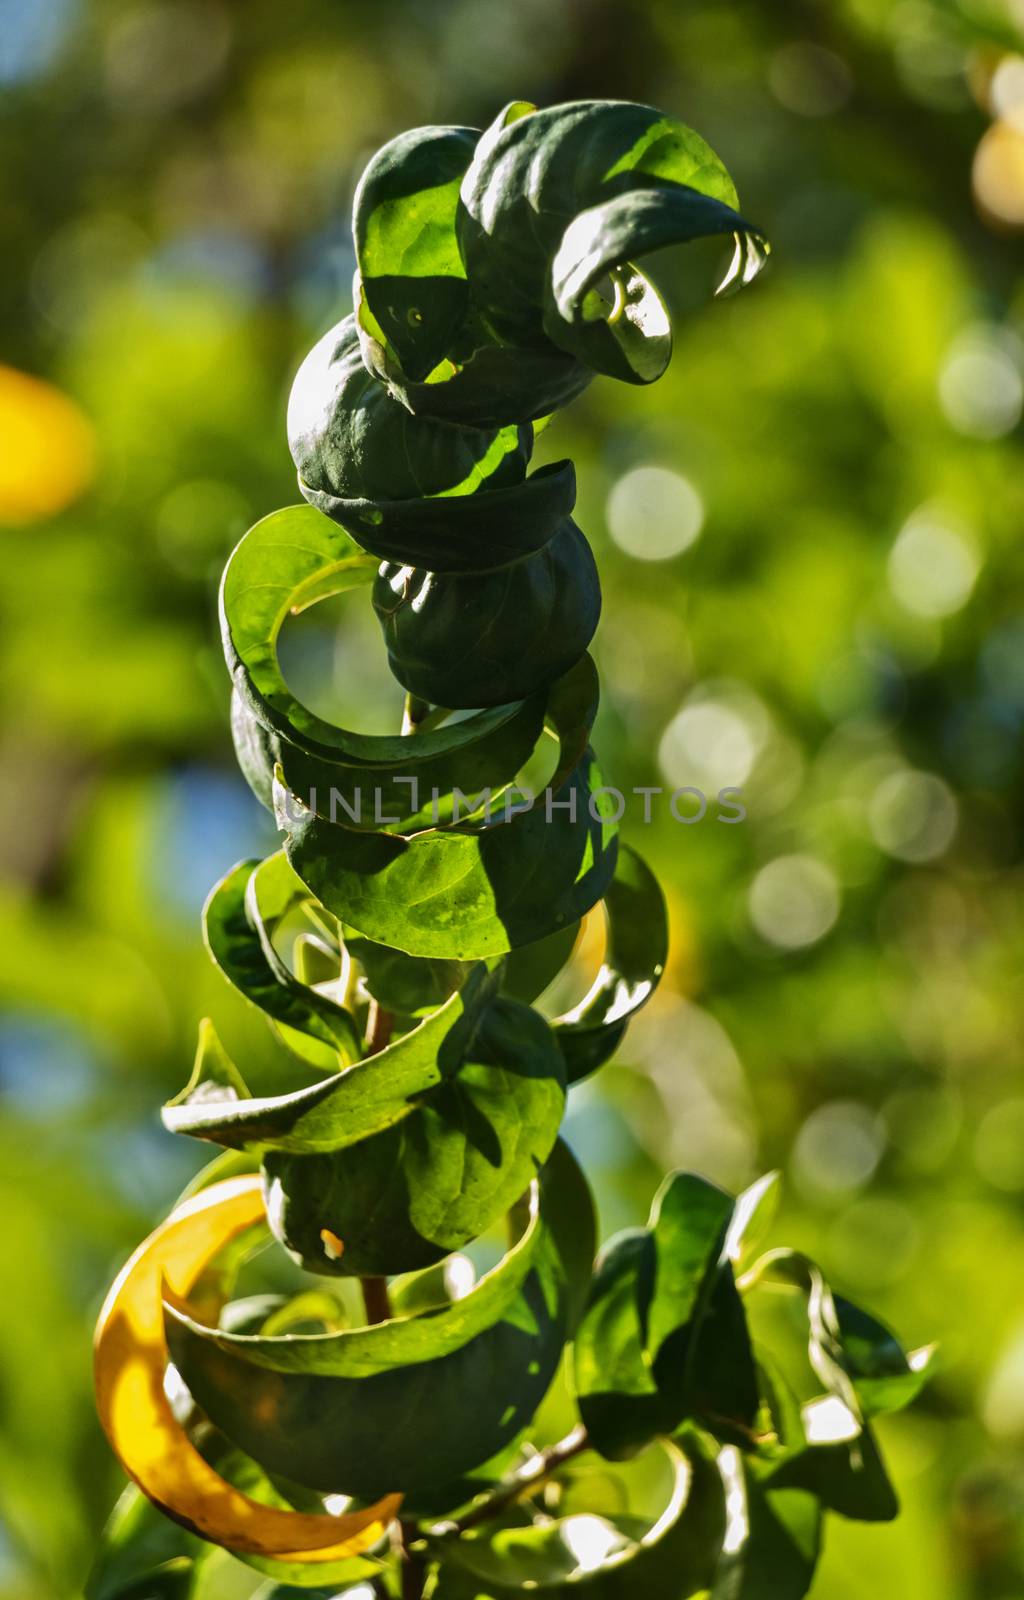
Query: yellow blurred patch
(48,456)
(683,970)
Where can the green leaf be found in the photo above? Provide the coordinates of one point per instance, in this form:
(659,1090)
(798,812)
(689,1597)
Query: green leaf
(689,1221)
(822,1448)
(361,1100)
(408,255)
(405,985)
(885,1376)
(846,1474)
(725,1391)
(462,533)
(356,1412)
(484,381)
(483,639)
(622,330)
(664,1336)
(461,892)
(669,1556)
(619,1401)
(752,1218)
(349,437)
(527,971)
(856,1357)
(627,335)
(282,565)
(442,1176)
(530,179)
(634,959)
(773,1540)
(236,927)
(141,1553)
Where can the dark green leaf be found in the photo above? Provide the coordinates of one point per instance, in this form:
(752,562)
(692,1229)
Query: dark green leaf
(483,639)
(626,333)
(353,1104)
(773,1540)
(442,1176)
(404,227)
(350,438)
(462,533)
(456,893)
(142,1554)
(664,1336)
(530,178)
(236,926)
(285,563)
(668,1556)
(356,1412)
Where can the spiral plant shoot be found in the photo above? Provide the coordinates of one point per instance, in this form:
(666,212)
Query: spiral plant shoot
(394,1416)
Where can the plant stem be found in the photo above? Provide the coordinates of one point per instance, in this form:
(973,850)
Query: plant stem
(412,1572)
(415,712)
(376,1299)
(526,1478)
(379,1023)
(378,1028)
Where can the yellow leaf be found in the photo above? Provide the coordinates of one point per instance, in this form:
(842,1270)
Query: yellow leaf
(130,1364)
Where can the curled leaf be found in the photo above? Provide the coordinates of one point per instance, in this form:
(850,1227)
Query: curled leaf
(345,1411)
(130,1361)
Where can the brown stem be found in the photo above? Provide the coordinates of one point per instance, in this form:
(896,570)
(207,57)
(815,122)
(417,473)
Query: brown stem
(412,1572)
(378,1028)
(376,1299)
(528,1477)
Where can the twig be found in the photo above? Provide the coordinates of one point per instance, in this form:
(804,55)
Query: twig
(378,1028)
(528,1476)
(376,1299)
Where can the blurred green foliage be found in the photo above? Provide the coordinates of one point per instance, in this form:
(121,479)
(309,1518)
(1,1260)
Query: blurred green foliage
(822,606)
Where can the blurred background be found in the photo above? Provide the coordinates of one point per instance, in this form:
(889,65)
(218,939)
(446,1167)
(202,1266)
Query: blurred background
(809,534)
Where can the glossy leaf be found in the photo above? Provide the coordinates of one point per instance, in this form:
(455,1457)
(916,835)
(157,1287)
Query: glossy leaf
(407,1197)
(485,379)
(628,337)
(361,1100)
(518,628)
(461,892)
(532,177)
(236,926)
(856,1357)
(345,1411)
(669,1557)
(773,1541)
(348,436)
(285,563)
(634,959)
(404,227)
(664,1336)
(463,533)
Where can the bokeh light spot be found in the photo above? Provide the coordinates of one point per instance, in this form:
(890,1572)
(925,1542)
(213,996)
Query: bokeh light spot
(913,815)
(714,741)
(654,514)
(48,455)
(838,1148)
(794,901)
(932,566)
(999,173)
(980,386)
